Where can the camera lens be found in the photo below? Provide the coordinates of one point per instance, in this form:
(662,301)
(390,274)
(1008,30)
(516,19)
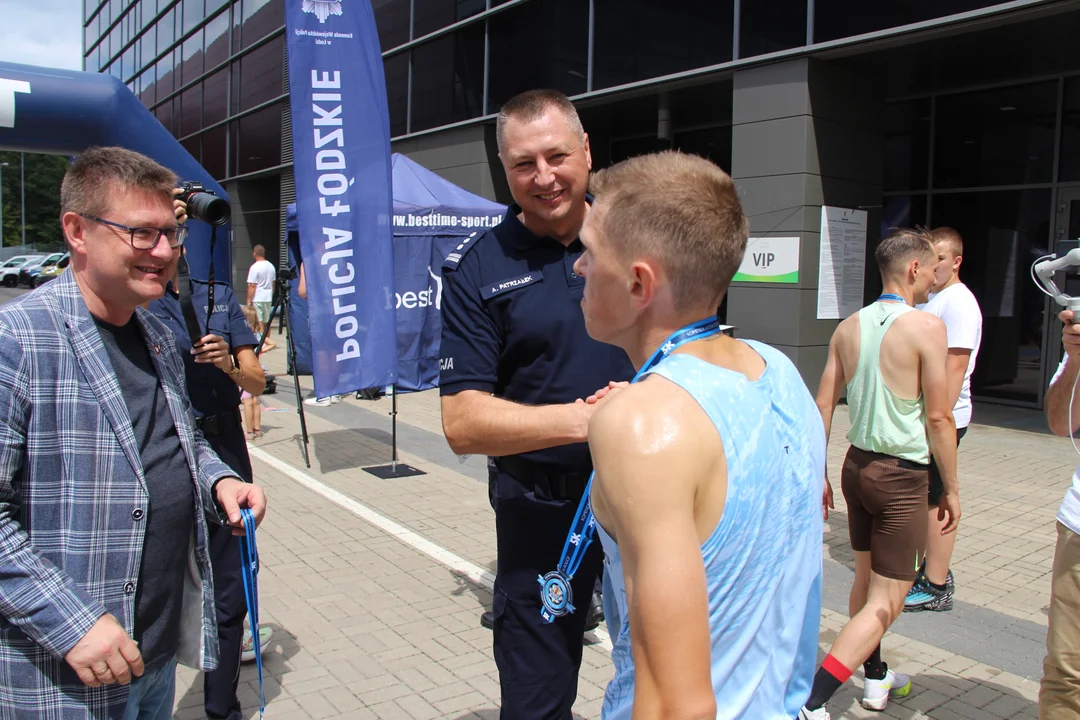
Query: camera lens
(208,208)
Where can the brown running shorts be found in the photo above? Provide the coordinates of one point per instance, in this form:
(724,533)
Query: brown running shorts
(886,502)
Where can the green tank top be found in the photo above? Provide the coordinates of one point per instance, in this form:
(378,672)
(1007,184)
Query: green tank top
(882,422)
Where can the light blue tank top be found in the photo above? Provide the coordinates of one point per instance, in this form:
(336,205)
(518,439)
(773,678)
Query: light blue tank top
(763,560)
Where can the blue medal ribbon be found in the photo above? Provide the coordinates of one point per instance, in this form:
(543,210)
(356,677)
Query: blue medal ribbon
(249,570)
(555,592)
(891,296)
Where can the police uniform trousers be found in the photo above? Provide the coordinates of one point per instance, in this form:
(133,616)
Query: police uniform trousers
(219,685)
(538,662)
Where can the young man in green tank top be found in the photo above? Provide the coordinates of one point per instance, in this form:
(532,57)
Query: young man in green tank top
(890,359)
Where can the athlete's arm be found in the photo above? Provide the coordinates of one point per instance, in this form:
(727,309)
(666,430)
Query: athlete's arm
(830,389)
(1060,392)
(927,333)
(651,454)
(956,365)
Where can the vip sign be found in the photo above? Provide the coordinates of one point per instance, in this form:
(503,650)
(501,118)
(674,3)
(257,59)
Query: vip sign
(770,260)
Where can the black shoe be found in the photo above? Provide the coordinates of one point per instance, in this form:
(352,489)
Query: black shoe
(596,613)
(488,620)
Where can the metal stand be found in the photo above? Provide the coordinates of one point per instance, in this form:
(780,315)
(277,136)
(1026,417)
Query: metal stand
(395,469)
(283,305)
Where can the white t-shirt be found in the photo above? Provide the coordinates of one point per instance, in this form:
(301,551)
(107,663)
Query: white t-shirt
(1069,512)
(262,274)
(960,312)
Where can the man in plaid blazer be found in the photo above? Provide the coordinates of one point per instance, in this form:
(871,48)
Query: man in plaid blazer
(105,485)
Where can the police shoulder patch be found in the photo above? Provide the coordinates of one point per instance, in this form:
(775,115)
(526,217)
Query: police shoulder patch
(453,259)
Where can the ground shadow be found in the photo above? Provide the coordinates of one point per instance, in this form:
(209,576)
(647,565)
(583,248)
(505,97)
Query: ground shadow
(347,450)
(283,646)
(838,541)
(937,695)
(493,714)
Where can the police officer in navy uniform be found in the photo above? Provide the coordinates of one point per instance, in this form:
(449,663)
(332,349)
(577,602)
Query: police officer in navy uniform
(224,364)
(516,363)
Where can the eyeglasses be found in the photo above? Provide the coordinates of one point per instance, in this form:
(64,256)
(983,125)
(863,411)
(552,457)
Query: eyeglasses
(147,238)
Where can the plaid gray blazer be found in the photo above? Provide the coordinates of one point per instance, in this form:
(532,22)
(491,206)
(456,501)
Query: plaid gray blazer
(70,481)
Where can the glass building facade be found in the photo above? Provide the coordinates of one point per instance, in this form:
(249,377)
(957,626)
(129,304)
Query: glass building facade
(971,126)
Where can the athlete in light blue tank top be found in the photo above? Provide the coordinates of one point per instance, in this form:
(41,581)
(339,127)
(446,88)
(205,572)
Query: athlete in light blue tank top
(763,560)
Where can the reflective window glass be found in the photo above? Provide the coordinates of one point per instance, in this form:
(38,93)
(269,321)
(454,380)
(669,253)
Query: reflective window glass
(1003,231)
(710,143)
(552,35)
(148,94)
(193,57)
(767,26)
(192,145)
(90,62)
(147,12)
(835,19)
(164,114)
(432,15)
(212,6)
(262,74)
(166,30)
(165,76)
(907,144)
(1069,168)
(127,64)
(191,102)
(147,48)
(392,20)
(237,12)
(1003,136)
(213,152)
(259,140)
(216,97)
(217,41)
(640,39)
(448,78)
(234,99)
(396,68)
(193,14)
(90,32)
(115,41)
(88,7)
(261,17)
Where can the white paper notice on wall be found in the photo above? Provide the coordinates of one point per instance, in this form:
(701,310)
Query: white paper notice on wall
(841,262)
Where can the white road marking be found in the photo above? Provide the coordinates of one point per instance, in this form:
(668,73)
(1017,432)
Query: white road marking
(473,572)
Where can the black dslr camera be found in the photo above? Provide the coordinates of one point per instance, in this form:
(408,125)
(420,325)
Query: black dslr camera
(203,204)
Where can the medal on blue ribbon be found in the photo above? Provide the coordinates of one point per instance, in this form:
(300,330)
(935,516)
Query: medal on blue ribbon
(556,593)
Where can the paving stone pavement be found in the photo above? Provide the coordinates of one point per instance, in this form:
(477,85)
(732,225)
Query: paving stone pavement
(368,626)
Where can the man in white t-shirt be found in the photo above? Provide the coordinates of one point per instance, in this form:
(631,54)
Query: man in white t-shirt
(260,294)
(1059,695)
(953,302)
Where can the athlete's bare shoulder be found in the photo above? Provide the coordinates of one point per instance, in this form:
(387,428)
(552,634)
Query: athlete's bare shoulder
(847,332)
(918,324)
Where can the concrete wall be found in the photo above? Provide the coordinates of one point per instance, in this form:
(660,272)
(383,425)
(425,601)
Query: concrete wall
(805,134)
(467,157)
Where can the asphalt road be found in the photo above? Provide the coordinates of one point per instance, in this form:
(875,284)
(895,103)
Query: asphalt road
(9,294)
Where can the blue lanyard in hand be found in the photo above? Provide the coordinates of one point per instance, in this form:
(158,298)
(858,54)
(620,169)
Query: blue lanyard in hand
(249,569)
(555,592)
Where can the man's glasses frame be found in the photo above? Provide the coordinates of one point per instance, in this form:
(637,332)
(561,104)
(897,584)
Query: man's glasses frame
(147,238)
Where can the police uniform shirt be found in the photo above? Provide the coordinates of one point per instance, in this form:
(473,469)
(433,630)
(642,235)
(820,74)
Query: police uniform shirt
(512,325)
(212,391)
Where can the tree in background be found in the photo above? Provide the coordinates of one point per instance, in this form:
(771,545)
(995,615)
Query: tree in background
(43,175)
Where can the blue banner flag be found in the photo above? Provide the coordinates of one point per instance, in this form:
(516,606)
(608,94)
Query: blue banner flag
(341,163)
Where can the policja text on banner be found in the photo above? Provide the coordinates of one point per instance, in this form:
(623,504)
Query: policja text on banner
(343,192)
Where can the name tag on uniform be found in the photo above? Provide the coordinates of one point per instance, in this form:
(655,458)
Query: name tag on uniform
(498,288)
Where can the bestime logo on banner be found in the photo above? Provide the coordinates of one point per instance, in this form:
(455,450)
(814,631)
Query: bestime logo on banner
(322,9)
(341,165)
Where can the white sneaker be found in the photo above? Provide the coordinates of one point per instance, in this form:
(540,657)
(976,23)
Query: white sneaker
(876,693)
(247,650)
(324,402)
(820,714)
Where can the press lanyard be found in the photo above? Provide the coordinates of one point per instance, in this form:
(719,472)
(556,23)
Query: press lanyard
(891,296)
(249,569)
(555,592)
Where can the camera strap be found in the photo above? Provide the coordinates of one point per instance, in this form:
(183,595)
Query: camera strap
(187,305)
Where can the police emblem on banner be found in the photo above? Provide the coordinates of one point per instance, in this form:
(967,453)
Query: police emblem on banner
(322,9)
(556,595)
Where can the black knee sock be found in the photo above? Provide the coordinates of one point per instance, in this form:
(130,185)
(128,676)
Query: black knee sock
(830,676)
(873,667)
(939,588)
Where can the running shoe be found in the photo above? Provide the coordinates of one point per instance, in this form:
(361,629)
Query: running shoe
(876,693)
(247,650)
(924,596)
(820,714)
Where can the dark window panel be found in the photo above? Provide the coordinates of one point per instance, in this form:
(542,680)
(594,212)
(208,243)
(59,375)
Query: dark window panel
(166,30)
(767,26)
(1003,232)
(710,143)
(260,140)
(193,14)
(835,19)
(262,72)
(556,35)
(640,39)
(193,146)
(193,57)
(448,78)
(392,20)
(217,41)
(148,95)
(234,100)
(1003,136)
(396,68)
(261,17)
(191,102)
(216,97)
(432,15)
(237,12)
(902,211)
(907,144)
(213,152)
(1069,170)
(166,77)
(164,114)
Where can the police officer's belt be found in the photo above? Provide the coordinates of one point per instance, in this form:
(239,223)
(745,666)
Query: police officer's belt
(213,425)
(562,485)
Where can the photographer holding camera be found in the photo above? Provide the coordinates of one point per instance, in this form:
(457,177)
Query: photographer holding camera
(217,367)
